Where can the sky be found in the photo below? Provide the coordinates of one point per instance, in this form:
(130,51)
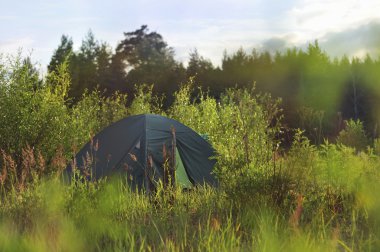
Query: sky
(347,27)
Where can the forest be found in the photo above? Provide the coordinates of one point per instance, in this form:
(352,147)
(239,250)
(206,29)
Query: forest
(313,87)
(295,132)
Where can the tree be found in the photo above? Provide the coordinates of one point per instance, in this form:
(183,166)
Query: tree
(63,52)
(204,74)
(148,59)
(103,66)
(32,72)
(90,66)
(117,74)
(235,68)
(142,47)
(198,66)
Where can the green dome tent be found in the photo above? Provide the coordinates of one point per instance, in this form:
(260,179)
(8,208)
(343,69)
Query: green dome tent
(137,146)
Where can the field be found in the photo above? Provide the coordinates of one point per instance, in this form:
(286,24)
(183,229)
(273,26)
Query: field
(275,194)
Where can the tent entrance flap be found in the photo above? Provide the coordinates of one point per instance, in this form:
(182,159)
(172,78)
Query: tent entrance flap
(180,174)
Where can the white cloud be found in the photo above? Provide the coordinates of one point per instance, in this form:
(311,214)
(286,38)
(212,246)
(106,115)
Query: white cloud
(357,41)
(313,19)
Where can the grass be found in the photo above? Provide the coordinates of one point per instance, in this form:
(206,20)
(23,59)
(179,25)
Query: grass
(107,215)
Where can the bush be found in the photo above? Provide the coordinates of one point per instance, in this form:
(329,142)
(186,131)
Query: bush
(242,127)
(145,102)
(353,135)
(36,113)
(33,111)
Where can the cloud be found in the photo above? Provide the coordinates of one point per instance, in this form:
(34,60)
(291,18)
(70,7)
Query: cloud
(275,44)
(352,42)
(312,19)
(356,41)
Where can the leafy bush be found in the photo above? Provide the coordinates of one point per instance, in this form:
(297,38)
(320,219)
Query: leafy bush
(353,135)
(240,129)
(37,113)
(145,102)
(32,111)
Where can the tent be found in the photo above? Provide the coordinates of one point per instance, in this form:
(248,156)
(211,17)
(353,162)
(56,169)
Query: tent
(138,146)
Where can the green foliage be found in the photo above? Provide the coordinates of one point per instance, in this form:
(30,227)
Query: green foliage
(33,113)
(299,165)
(303,78)
(89,68)
(353,135)
(145,102)
(305,198)
(376,146)
(94,112)
(312,122)
(36,112)
(61,54)
(239,128)
(149,60)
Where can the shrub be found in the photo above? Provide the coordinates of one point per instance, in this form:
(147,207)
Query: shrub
(145,102)
(33,111)
(242,127)
(36,113)
(353,135)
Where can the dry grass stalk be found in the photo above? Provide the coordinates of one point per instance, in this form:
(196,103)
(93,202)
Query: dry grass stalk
(28,164)
(9,165)
(59,161)
(215,224)
(4,170)
(41,163)
(296,216)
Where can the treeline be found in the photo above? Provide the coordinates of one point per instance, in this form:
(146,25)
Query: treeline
(318,92)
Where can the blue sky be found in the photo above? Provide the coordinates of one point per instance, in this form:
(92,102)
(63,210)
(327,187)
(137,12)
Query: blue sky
(342,26)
